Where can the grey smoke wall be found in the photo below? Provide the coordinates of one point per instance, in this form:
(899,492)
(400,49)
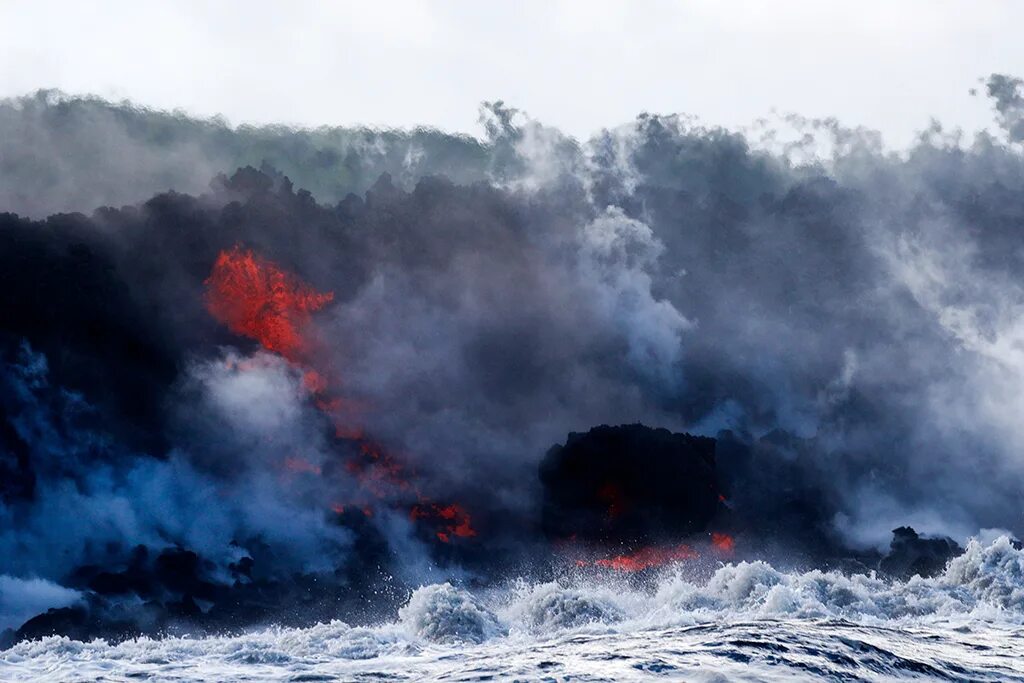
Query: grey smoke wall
(851,317)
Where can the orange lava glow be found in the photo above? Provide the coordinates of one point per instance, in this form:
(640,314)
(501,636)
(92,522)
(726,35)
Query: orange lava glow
(646,558)
(314,382)
(376,469)
(453,518)
(724,543)
(256,299)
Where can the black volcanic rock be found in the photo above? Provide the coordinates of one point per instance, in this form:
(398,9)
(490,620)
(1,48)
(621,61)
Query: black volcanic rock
(83,622)
(630,483)
(174,591)
(777,486)
(910,554)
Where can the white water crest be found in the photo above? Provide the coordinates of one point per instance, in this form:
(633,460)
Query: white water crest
(748,621)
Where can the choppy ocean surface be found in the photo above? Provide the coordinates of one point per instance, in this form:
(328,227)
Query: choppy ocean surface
(747,621)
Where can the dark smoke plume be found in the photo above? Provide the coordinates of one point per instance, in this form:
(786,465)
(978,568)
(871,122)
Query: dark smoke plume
(332,373)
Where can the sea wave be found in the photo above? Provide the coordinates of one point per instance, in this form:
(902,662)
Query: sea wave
(747,611)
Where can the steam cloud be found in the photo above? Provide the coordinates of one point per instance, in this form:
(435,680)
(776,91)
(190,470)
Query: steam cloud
(845,320)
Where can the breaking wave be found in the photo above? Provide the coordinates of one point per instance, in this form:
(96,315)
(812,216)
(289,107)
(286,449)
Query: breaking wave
(445,614)
(746,613)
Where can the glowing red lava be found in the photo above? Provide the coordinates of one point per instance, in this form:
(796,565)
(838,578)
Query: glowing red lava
(453,518)
(256,299)
(723,543)
(647,557)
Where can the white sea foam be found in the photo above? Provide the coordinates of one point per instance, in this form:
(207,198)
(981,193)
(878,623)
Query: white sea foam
(551,607)
(445,614)
(964,623)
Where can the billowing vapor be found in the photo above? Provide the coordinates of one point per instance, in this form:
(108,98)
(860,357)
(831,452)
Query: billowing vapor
(299,368)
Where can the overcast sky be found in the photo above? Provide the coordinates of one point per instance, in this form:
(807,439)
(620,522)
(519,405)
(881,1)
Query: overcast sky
(887,64)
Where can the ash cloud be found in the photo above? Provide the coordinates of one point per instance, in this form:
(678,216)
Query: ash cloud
(845,324)
(1009,103)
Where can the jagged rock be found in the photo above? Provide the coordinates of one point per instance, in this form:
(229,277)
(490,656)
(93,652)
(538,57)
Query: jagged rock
(630,483)
(174,591)
(911,554)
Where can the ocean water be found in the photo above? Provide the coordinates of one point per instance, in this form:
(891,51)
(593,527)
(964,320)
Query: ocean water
(746,621)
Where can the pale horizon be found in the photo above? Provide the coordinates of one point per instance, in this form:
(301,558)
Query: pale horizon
(578,66)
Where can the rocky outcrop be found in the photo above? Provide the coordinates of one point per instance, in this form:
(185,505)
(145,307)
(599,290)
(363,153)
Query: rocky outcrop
(629,483)
(912,554)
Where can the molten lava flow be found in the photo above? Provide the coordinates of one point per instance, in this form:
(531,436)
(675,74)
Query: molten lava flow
(723,543)
(648,557)
(382,476)
(377,471)
(453,519)
(657,556)
(256,299)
